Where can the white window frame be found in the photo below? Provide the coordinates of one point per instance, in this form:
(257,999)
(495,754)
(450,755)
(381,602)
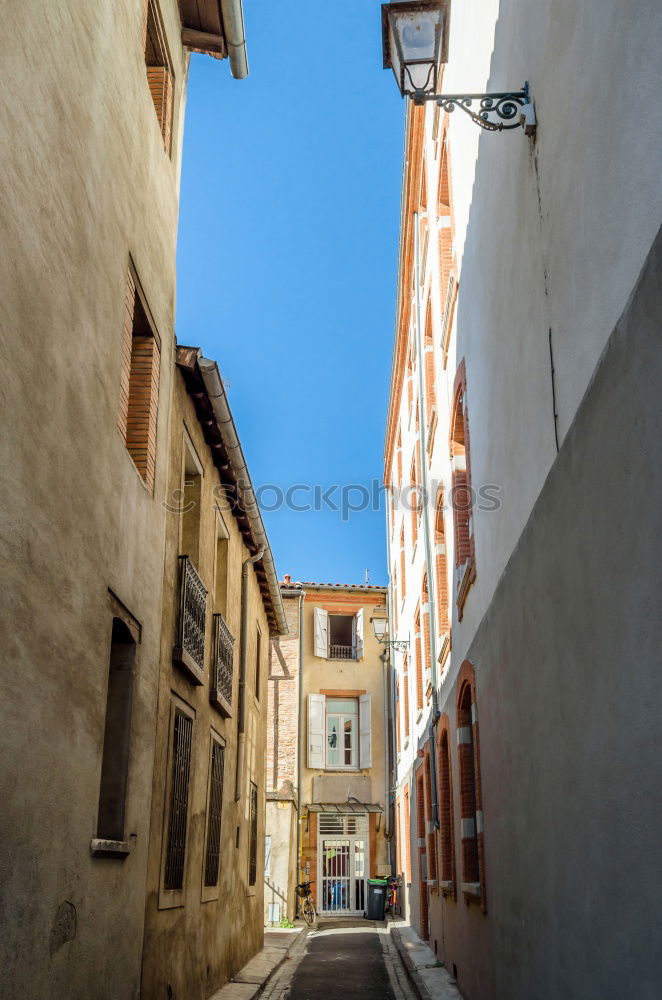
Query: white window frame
(322,638)
(342,718)
(318,735)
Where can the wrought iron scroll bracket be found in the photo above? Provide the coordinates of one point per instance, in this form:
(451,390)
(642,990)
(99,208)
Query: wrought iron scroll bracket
(496,112)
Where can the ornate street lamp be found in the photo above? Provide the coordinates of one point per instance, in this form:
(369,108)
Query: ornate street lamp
(415,44)
(380,628)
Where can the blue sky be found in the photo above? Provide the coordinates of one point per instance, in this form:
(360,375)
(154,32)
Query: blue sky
(287,264)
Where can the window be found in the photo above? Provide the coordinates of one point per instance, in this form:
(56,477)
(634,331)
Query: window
(342,723)
(407,837)
(430,829)
(403,568)
(214,812)
(221,569)
(252,850)
(446,811)
(398,457)
(414,496)
(471,816)
(419,657)
(117,734)
(405,686)
(139,383)
(191,494)
(339,732)
(465,571)
(446,250)
(160,76)
(182,735)
(258,661)
(338,637)
(425,609)
(430,375)
(267,856)
(441,567)
(398,726)
(422,856)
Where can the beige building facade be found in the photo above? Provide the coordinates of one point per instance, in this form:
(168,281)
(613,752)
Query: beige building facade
(221,604)
(342,750)
(524,378)
(92,123)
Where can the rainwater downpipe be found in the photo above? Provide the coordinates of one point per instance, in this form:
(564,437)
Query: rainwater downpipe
(243,657)
(429,562)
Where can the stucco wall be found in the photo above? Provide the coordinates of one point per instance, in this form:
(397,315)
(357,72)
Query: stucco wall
(570,766)
(85,184)
(194,947)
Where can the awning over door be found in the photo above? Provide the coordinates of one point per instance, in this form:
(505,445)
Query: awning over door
(345,808)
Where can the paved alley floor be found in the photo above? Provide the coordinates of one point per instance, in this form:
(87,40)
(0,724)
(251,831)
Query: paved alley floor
(342,960)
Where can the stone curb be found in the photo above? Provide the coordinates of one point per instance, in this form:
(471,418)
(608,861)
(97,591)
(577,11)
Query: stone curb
(251,980)
(431,981)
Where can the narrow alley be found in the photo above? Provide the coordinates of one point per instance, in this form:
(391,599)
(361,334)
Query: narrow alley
(341,960)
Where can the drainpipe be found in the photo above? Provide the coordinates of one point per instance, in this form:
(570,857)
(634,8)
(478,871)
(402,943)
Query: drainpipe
(243,651)
(300,750)
(429,562)
(235,37)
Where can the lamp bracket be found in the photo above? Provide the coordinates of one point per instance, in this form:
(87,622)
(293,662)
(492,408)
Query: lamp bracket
(496,112)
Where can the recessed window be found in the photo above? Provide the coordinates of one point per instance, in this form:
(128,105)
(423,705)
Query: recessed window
(258,661)
(139,383)
(342,724)
(339,732)
(252,853)
(338,637)
(160,76)
(117,734)
(180,773)
(214,813)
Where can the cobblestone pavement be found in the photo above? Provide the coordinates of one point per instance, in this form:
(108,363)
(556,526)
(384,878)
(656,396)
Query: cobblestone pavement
(341,961)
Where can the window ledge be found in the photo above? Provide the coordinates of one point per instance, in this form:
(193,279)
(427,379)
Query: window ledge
(432,883)
(219,702)
(118,849)
(472,889)
(182,659)
(447,887)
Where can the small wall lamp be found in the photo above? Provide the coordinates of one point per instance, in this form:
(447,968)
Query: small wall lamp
(415,44)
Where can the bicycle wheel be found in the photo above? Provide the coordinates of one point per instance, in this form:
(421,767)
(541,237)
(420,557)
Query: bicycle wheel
(308,911)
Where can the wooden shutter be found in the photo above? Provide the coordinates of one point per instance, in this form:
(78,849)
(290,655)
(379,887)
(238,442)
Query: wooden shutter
(321,632)
(365,735)
(358,632)
(316,713)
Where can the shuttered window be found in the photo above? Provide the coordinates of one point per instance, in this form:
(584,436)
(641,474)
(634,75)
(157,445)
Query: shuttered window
(180,779)
(213,852)
(252,860)
(160,76)
(139,384)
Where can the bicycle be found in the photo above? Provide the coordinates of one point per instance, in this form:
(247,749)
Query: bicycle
(307,907)
(392,900)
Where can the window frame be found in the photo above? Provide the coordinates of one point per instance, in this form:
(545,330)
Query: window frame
(172,898)
(342,718)
(209,892)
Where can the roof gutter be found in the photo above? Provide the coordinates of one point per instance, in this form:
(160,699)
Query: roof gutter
(235,37)
(219,401)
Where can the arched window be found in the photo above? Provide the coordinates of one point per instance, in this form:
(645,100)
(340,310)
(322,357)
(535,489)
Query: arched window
(425,611)
(405,692)
(430,379)
(398,730)
(473,882)
(422,856)
(398,460)
(441,567)
(419,657)
(403,568)
(446,810)
(446,249)
(414,496)
(465,569)
(431,833)
(410,379)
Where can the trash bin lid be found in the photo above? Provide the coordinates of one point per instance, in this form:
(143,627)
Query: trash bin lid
(377,881)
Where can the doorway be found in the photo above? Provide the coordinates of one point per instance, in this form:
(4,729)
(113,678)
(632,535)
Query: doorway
(342,863)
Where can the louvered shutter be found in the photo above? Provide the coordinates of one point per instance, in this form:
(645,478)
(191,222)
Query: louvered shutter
(365,735)
(321,632)
(316,712)
(358,631)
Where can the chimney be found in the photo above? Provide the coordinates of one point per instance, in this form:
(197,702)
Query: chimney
(287,579)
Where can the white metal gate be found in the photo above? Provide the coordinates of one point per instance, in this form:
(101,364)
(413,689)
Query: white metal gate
(342,862)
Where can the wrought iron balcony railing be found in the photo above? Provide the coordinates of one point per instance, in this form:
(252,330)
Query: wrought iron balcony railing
(341,652)
(190,649)
(223,670)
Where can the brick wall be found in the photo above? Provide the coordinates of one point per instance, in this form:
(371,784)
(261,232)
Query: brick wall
(283,702)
